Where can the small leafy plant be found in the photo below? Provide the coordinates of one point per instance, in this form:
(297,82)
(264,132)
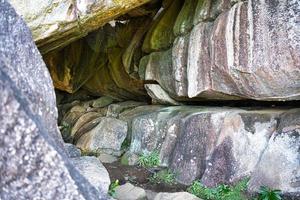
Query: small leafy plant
(163,176)
(149,160)
(65,130)
(112,188)
(221,192)
(266,193)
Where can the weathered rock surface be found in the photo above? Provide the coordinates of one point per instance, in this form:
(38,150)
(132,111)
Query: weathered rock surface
(279,165)
(243,54)
(176,196)
(130,192)
(191,50)
(104,62)
(107,136)
(56,24)
(33,163)
(93,170)
(107,158)
(72,150)
(221,145)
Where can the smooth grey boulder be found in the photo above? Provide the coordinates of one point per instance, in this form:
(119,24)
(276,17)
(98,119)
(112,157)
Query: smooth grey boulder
(34,164)
(93,170)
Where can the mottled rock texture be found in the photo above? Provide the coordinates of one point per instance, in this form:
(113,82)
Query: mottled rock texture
(57,23)
(104,62)
(282,153)
(175,196)
(33,163)
(191,50)
(130,192)
(242,54)
(222,145)
(212,144)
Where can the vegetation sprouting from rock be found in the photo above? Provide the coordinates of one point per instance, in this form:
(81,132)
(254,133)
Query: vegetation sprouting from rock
(221,192)
(266,193)
(165,176)
(112,188)
(234,192)
(149,160)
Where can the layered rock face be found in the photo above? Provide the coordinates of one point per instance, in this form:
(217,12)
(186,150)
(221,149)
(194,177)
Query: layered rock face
(212,144)
(33,163)
(191,50)
(170,51)
(250,51)
(104,63)
(55,24)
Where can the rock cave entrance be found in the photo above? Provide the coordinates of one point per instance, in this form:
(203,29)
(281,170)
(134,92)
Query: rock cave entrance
(161,99)
(198,84)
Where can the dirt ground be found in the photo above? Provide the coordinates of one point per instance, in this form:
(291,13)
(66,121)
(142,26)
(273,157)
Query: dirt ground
(139,176)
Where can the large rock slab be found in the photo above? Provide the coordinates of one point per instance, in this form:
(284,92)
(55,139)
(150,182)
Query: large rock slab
(222,145)
(243,54)
(33,161)
(234,156)
(279,165)
(55,24)
(190,140)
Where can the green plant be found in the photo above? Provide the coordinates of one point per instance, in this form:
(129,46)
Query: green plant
(221,192)
(163,176)
(112,188)
(65,130)
(266,193)
(149,160)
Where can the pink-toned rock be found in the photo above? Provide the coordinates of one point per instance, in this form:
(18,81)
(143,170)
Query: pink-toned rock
(243,54)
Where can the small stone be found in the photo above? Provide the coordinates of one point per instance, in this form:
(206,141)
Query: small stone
(176,196)
(130,192)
